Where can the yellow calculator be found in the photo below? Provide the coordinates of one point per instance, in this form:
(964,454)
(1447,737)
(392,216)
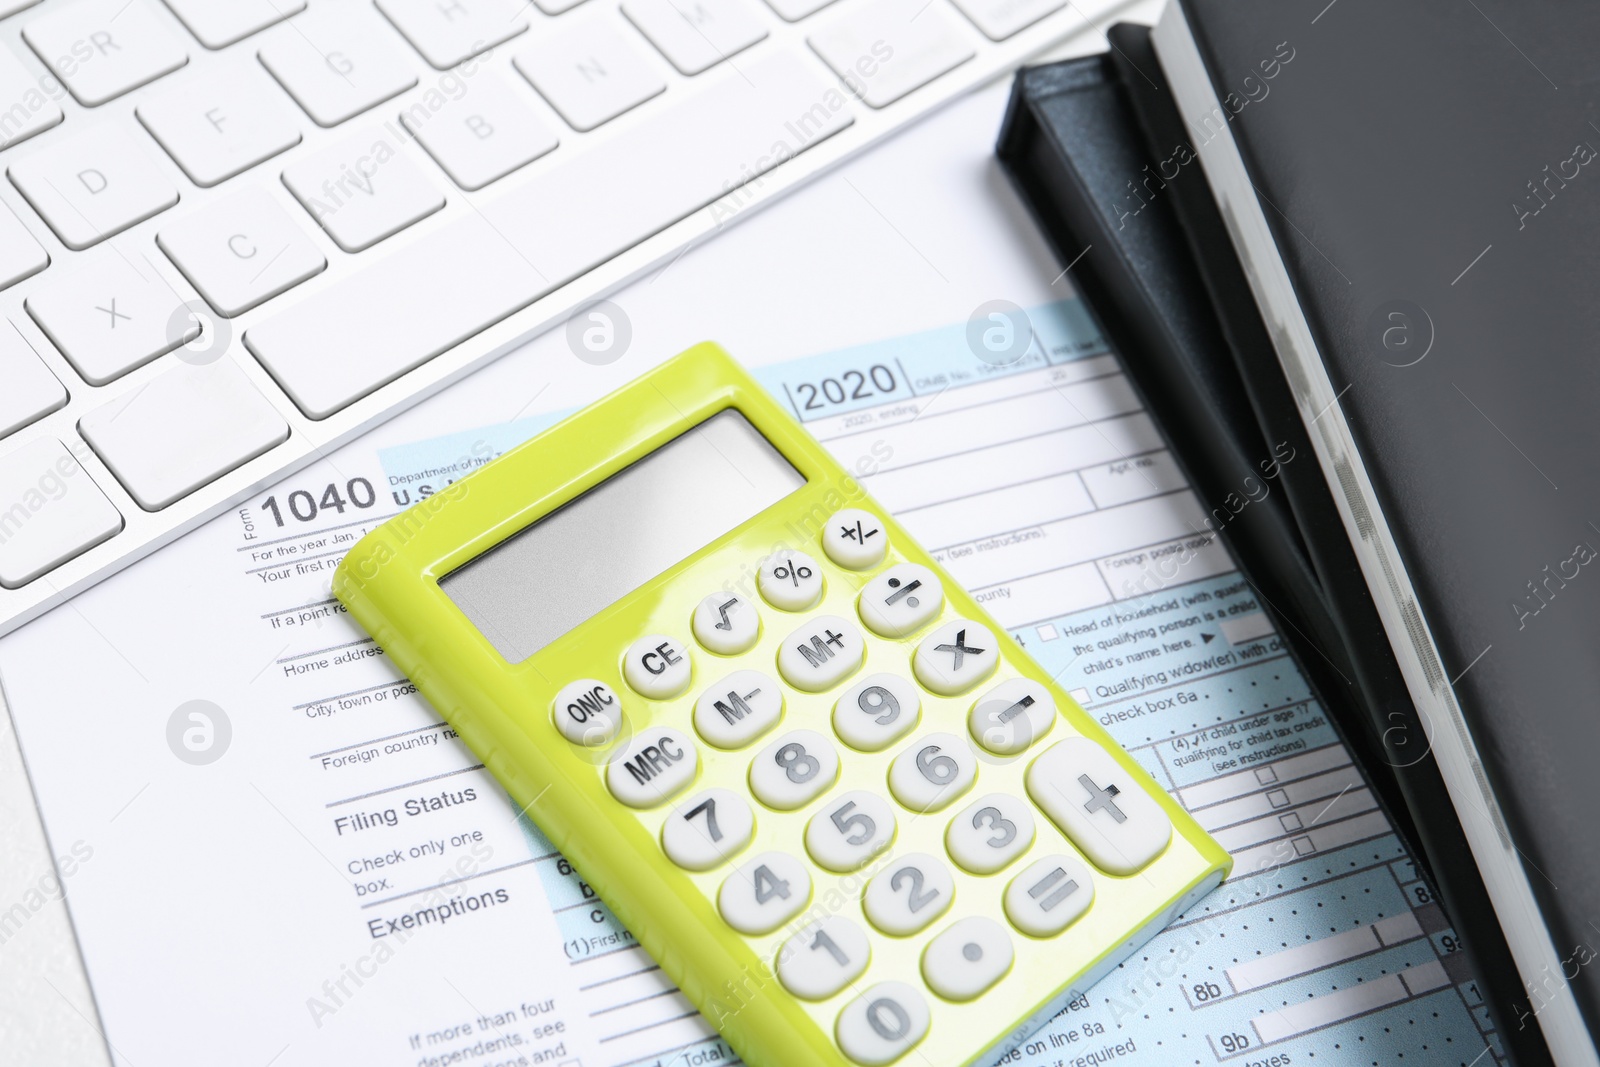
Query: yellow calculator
(850,817)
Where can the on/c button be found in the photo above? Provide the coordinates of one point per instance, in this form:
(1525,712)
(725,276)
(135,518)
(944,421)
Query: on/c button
(657,666)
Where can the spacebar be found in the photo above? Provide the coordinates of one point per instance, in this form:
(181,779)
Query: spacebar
(403,309)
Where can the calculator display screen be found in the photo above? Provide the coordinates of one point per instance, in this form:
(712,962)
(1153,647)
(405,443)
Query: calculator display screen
(567,567)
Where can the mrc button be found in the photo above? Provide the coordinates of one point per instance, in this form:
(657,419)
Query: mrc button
(654,767)
(657,666)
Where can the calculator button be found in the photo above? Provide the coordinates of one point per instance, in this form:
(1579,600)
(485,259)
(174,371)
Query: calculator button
(738,709)
(588,713)
(657,666)
(1012,716)
(707,828)
(794,770)
(763,893)
(990,833)
(1048,895)
(1099,805)
(933,772)
(901,600)
(877,711)
(882,1024)
(790,580)
(820,654)
(956,657)
(849,830)
(823,958)
(726,623)
(909,894)
(655,766)
(968,958)
(855,539)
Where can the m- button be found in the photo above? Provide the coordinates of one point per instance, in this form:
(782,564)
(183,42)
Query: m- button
(657,666)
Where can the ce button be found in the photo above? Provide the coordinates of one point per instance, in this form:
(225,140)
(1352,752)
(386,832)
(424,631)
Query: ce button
(657,666)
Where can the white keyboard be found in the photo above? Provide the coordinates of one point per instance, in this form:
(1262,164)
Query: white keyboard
(236,233)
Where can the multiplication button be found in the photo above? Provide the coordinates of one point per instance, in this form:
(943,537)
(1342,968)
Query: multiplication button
(876,712)
(706,829)
(855,539)
(1048,895)
(790,580)
(901,600)
(588,712)
(1099,805)
(657,666)
(726,623)
(763,893)
(968,958)
(956,657)
(823,958)
(738,709)
(882,1024)
(820,654)
(654,767)
(1012,716)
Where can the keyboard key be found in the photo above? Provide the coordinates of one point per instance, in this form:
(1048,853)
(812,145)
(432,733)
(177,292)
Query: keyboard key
(726,623)
(989,833)
(708,828)
(182,429)
(449,31)
(1094,800)
(901,600)
(790,580)
(589,72)
(218,124)
(908,894)
(219,23)
(588,713)
(657,666)
(738,709)
(359,197)
(956,657)
(54,511)
(1000,19)
(656,765)
(822,958)
(25,108)
(1048,895)
(111,315)
(884,49)
(821,653)
(335,65)
(353,336)
(1012,716)
(855,539)
(877,711)
(968,958)
(933,772)
(484,134)
(696,35)
(849,830)
(882,1024)
(31,391)
(794,770)
(103,48)
(91,185)
(20,255)
(795,10)
(240,250)
(763,893)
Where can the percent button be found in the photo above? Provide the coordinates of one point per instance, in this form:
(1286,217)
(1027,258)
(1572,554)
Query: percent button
(790,580)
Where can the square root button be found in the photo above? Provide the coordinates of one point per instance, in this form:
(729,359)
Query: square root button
(1100,805)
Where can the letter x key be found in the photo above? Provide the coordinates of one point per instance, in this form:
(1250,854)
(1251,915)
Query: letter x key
(960,649)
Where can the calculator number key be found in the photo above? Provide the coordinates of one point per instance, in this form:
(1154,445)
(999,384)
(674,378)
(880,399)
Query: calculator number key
(909,894)
(726,623)
(876,712)
(790,580)
(588,712)
(1012,716)
(763,893)
(933,772)
(901,600)
(844,834)
(794,770)
(855,539)
(821,654)
(990,833)
(882,1024)
(823,958)
(1099,805)
(654,767)
(1048,895)
(968,958)
(706,829)
(738,709)
(657,666)
(956,657)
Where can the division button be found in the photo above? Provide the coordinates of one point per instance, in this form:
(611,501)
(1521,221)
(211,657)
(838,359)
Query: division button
(882,1024)
(901,600)
(763,893)
(909,894)
(823,958)
(654,767)
(790,580)
(822,653)
(956,657)
(989,833)
(855,539)
(1048,895)
(726,623)
(1012,716)
(849,830)
(707,828)
(1100,805)
(932,772)
(588,712)
(738,709)
(657,666)
(877,711)
(794,770)
(968,958)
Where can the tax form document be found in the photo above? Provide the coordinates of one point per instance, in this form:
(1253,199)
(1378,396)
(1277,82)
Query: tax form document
(287,858)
